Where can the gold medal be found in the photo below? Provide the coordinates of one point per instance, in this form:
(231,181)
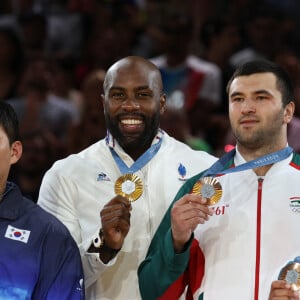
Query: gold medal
(291,274)
(129,186)
(210,188)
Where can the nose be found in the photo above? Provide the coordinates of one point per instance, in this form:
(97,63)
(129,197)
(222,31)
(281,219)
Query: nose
(248,106)
(131,103)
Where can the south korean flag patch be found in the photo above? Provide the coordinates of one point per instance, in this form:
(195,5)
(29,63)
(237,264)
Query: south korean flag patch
(17,234)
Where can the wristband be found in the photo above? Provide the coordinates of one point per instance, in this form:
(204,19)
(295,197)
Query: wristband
(99,240)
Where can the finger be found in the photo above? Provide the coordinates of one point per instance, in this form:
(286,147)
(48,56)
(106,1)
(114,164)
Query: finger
(123,226)
(193,214)
(115,235)
(191,198)
(118,206)
(113,239)
(192,201)
(119,200)
(281,290)
(114,215)
(279,284)
(193,222)
(124,201)
(190,210)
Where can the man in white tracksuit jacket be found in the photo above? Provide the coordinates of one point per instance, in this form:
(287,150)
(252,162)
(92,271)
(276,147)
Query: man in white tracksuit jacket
(78,188)
(242,242)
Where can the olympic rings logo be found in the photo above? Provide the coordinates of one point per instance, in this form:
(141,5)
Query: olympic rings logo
(295,209)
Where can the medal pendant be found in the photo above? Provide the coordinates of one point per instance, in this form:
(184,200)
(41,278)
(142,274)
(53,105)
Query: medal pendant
(291,274)
(129,186)
(210,188)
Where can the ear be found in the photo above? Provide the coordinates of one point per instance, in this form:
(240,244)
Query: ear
(289,112)
(162,103)
(16,151)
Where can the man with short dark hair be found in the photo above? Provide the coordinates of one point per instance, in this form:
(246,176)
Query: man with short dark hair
(232,230)
(38,257)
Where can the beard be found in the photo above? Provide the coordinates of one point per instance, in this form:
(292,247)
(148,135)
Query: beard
(133,142)
(267,136)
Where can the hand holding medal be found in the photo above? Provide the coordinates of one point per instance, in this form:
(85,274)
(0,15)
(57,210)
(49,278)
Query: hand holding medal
(115,220)
(291,273)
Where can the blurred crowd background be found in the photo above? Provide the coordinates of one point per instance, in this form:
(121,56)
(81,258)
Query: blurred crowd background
(54,55)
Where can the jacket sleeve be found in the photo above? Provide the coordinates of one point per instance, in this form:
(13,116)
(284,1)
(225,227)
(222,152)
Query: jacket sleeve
(57,196)
(61,273)
(162,268)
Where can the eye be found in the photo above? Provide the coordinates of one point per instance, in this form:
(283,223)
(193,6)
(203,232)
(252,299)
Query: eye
(117,95)
(237,99)
(261,97)
(144,95)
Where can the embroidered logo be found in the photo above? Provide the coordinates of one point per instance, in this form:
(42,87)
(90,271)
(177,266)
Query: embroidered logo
(295,204)
(182,172)
(17,234)
(102,177)
(79,287)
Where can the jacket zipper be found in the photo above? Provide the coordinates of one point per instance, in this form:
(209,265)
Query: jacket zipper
(258,238)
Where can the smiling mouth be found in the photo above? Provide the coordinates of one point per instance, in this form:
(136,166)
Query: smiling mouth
(131,122)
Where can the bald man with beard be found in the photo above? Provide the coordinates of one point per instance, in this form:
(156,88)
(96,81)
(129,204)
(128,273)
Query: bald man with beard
(113,195)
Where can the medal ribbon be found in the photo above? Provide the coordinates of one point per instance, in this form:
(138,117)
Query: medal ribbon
(219,165)
(140,162)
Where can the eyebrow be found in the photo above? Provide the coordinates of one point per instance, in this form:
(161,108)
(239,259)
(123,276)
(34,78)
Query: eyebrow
(116,88)
(137,88)
(255,93)
(262,92)
(235,94)
(146,87)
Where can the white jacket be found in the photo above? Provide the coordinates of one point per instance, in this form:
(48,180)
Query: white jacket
(76,188)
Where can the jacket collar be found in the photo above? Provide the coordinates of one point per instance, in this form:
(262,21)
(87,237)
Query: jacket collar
(10,204)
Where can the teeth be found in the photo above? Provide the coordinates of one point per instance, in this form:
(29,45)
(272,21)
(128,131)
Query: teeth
(131,122)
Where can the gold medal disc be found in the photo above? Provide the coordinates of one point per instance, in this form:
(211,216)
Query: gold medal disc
(210,188)
(291,274)
(129,186)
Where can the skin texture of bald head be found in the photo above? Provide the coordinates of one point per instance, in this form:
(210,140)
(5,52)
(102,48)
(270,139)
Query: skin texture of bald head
(133,102)
(129,63)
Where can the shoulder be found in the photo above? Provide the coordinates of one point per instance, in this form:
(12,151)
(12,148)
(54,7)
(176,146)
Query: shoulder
(174,147)
(43,222)
(79,160)
(169,141)
(52,222)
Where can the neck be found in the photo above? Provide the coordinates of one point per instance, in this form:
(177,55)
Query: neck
(253,153)
(137,148)
(135,153)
